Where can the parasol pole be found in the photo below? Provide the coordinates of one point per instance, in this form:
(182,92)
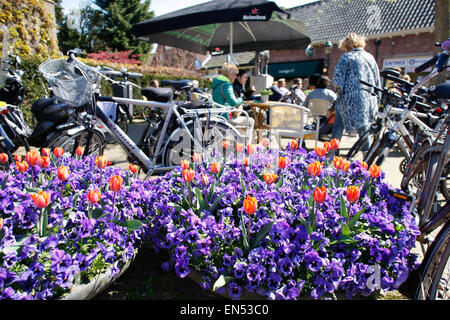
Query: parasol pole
(231,40)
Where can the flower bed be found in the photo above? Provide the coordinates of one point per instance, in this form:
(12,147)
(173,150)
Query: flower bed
(289,225)
(65,222)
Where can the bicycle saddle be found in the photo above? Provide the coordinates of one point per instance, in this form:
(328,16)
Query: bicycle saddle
(442,91)
(179,85)
(158,94)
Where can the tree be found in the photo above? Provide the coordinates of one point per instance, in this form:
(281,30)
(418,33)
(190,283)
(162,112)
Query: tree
(117,18)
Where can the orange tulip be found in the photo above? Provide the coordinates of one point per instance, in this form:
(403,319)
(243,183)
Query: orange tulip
(94,196)
(225,144)
(294,145)
(58,152)
(101,162)
(251,148)
(115,183)
(315,168)
(205,179)
(22,166)
(196,157)
(45,152)
(188,175)
(44,162)
(250,205)
(18,158)
(1,223)
(239,147)
(32,157)
(353,193)
(133,168)
(185,164)
(80,151)
(62,173)
(374,171)
(40,199)
(341,163)
(215,167)
(334,144)
(283,162)
(270,177)
(364,165)
(265,142)
(320,151)
(245,162)
(3,158)
(327,146)
(320,194)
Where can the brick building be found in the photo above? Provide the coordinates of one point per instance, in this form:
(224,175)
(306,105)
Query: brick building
(399,33)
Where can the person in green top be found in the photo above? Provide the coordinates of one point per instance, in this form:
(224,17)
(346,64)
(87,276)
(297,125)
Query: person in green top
(223,93)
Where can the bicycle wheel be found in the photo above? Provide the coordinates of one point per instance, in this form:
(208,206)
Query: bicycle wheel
(434,281)
(428,194)
(209,137)
(444,185)
(70,143)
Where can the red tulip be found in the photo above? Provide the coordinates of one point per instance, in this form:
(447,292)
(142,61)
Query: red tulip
(101,162)
(245,162)
(215,167)
(250,205)
(315,168)
(45,152)
(374,171)
(364,165)
(32,157)
(320,151)
(185,164)
(40,199)
(62,173)
(133,168)
(58,152)
(341,163)
(115,183)
(270,178)
(44,162)
(334,144)
(353,193)
(327,146)
(188,175)
(80,151)
(3,158)
(22,166)
(18,158)
(94,196)
(320,194)
(283,162)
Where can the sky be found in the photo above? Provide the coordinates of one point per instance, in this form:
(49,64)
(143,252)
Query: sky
(160,7)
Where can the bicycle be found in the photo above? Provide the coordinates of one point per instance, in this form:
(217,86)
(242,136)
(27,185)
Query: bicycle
(176,130)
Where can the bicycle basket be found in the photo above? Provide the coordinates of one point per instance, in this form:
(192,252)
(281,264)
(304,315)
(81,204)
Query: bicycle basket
(66,81)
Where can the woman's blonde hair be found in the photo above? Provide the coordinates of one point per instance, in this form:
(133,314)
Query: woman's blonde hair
(352,41)
(229,69)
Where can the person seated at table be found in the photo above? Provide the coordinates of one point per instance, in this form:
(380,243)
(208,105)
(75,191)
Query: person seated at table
(297,95)
(239,86)
(280,92)
(223,93)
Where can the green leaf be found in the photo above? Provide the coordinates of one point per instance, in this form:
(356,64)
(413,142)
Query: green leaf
(345,231)
(221,281)
(211,190)
(50,182)
(355,218)
(176,206)
(97,213)
(221,170)
(280,182)
(343,207)
(244,234)
(201,205)
(4,183)
(242,184)
(75,198)
(216,203)
(262,233)
(132,225)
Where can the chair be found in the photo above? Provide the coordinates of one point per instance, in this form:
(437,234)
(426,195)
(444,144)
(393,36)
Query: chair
(288,121)
(318,108)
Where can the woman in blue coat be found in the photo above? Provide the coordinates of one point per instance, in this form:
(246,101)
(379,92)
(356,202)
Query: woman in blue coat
(356,108)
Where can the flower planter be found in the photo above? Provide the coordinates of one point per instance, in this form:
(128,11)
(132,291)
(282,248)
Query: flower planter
(96,285)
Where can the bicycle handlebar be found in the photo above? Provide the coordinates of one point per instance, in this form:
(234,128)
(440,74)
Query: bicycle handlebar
(113,73)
